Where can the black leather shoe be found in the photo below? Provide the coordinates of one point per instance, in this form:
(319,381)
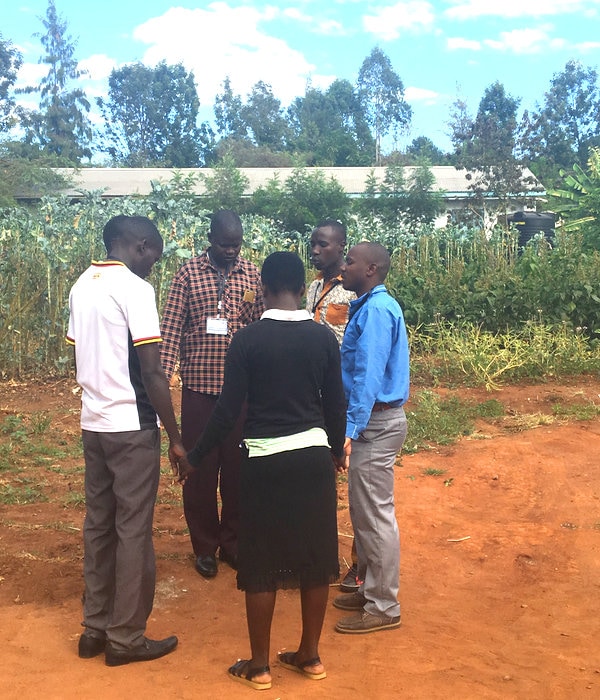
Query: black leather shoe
(90,646)
(228,558)
(149,649)
(206,565)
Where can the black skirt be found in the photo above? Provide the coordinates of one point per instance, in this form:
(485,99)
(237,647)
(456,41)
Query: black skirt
(288,521)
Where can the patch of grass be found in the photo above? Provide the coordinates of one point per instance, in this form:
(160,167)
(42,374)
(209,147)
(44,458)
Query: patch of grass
(58,525)
(170,495)
(74,499)
(29,448)
(57,469)
(577,411)
(442,420)
(21,495)
(14,426)
(432,471)
(40,422)
(492,408)
(450,353)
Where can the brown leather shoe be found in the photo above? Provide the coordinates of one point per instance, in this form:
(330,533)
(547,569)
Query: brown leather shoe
(350,601)
(366,622)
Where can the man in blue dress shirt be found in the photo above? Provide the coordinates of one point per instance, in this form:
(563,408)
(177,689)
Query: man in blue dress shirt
(375,372)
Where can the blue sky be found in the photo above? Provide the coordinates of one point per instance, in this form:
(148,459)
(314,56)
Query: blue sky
(442,49)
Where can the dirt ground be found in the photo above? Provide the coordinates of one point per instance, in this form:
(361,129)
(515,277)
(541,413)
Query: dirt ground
(500,575)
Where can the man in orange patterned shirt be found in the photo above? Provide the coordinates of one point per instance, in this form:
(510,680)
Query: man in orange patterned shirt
(328,302)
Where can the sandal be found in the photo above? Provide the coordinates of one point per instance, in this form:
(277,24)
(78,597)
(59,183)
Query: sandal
(237,673)
(287,659)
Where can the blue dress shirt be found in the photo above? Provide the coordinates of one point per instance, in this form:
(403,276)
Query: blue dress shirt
(374,352)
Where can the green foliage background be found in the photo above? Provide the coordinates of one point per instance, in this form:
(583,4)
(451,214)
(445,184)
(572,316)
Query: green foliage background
(452,283)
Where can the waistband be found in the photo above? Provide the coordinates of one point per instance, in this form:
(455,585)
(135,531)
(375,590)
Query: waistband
(379,406)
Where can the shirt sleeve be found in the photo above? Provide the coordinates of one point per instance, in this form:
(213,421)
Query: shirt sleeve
(259,306)
(142,315)
(334,401)
(174,315)
(373,346)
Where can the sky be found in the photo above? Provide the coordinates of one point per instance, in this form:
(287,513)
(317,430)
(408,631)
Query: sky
(442,50)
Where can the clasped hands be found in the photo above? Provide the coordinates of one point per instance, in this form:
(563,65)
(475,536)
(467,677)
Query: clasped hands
(180,465)
(342,463)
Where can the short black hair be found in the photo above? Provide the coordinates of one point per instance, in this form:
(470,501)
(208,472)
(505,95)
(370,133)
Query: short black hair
(130,228)
(283,272)
(224,220)
(335,225)
(377,254)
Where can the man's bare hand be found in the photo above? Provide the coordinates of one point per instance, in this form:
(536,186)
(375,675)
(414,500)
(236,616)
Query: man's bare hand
(180,465)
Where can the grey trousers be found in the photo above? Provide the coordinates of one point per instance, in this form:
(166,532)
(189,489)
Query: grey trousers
(372,511)
(122,471)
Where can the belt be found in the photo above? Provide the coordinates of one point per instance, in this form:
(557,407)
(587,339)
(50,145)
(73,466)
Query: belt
(378,406)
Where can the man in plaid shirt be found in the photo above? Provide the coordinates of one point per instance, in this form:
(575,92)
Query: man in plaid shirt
(211,297)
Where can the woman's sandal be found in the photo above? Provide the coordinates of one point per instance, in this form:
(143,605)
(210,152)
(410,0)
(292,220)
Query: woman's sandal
(237,673)
(287,659)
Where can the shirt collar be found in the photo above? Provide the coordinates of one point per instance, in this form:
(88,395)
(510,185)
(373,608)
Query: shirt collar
(285,315)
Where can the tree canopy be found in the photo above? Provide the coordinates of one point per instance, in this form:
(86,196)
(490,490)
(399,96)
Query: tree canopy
(150,117)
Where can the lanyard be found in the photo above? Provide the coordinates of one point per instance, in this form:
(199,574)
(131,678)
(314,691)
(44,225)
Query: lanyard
(221,282)
(323,295)
(220,292)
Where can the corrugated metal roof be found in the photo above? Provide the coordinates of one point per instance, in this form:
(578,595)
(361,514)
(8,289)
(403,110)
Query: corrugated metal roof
(118,182)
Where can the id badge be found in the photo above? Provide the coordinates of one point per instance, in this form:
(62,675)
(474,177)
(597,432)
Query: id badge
(216,326)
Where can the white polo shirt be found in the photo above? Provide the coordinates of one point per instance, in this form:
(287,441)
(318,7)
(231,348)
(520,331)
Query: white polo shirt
(112,311)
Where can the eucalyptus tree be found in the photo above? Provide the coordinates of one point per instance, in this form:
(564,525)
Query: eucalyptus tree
(381,93)
(61,128)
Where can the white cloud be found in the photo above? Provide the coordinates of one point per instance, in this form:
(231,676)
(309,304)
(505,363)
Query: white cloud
(456,43)
(524,41)
(587,46)
(98,66)
(295,14)
(470,9)
(30,74)
(330,27)
(221,41)
(422,95)
(387,23)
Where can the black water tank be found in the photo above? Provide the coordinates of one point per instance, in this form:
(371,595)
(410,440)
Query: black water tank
(530,223)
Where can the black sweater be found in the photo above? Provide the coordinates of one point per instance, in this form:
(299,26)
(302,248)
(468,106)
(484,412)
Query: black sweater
(289,374)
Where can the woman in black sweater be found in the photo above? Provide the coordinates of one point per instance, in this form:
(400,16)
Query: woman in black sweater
(286,368)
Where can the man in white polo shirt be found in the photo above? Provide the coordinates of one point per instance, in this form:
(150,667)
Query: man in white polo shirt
(114,327)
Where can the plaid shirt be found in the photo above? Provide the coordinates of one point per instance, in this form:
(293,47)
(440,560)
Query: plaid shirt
(192,299)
